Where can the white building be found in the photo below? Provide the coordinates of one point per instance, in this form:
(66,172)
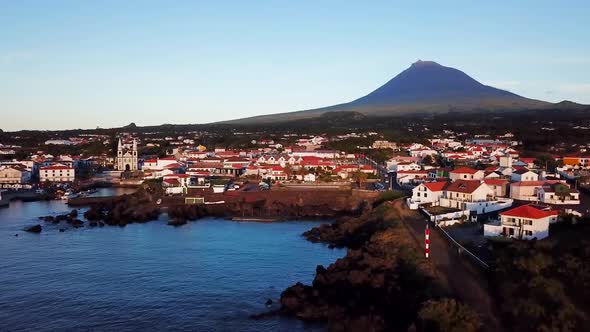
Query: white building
(127,156)
(404,166)
(57,173)
(158,163)
(528,190)
(309,177)
(428,192)
(466,173)
(524,222)
(558,193)
(14,175)
(473,195)
(524,175)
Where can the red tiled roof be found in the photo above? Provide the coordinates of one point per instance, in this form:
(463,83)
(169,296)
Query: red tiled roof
(49,168)
(413,172)
(171,181)
(534,183)
(435,186)
(528,160)
(495,182)
(529,212)
(177,176)
(464,186)
(464,170)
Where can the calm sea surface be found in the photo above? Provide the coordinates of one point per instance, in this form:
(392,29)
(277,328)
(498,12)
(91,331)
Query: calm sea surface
(208,275)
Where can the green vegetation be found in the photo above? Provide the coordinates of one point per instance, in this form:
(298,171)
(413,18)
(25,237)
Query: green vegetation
(543,285)
(447,315)
(382,284)
(386,196)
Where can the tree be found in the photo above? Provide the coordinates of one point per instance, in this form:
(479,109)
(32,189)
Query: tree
(288,170)
(359,177)
(427,160)
(447,315)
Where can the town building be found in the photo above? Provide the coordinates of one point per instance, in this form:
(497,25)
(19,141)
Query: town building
(524,175)
(127,159)
(57,173)
(466,173)
(558,193)
(524,222)
(473,195)
(14,174)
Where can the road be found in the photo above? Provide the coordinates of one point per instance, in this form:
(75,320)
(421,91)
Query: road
(456,275)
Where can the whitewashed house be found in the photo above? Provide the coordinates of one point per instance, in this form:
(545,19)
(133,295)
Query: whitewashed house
(524,222)
(558,193)
(524,175)
(466,173)
(427,192)
(57,173)
(473,195)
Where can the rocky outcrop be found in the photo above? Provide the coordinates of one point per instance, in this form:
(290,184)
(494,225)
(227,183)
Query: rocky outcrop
(379,285)
(120,211)
(177,222)
(34,229)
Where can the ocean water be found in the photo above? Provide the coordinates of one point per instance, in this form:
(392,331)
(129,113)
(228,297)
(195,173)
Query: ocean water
(208,275)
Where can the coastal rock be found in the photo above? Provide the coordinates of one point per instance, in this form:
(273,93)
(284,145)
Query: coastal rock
(93,214)
(48,218)
(380,275)
(177,222)
(34,229)
(77,223)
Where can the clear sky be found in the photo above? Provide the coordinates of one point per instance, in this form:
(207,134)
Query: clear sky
(83,64)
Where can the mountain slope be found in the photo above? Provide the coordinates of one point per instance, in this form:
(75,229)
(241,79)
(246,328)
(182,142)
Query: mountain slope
(425,86)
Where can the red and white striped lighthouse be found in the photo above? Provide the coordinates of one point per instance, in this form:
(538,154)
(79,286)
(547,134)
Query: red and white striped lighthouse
(426,241)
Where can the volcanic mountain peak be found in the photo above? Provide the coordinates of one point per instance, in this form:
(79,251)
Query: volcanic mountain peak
(420,63)
(424,87)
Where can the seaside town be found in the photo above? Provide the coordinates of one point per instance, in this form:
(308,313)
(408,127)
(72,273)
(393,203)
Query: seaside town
(450,178)
(443,221)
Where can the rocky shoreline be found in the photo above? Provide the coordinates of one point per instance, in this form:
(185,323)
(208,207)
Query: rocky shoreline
(147,204)
(382,284)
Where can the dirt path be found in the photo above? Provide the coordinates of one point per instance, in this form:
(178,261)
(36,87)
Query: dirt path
(454,273)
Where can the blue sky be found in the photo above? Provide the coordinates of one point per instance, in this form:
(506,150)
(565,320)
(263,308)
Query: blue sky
(82,64)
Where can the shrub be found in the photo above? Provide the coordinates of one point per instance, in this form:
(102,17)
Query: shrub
(447,315)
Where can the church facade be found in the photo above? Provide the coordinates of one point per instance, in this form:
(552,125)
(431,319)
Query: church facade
(127,157)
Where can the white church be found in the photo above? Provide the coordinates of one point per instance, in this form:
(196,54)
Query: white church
(127,156)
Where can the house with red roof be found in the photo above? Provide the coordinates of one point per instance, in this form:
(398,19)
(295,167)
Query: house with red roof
(411,177)
(499,186)
(524,222)
(473,195)
(559,194)
(523,174)
(466,173)
(527,190)
(427,192)
(277,173)
(158,163)
(57,173)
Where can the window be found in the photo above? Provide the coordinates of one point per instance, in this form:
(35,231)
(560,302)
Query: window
(425,194)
